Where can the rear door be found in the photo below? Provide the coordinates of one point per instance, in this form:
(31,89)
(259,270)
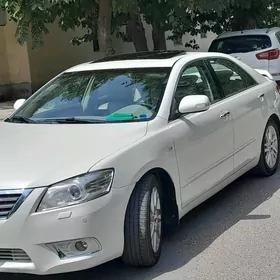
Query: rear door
(250,49)
(247,102)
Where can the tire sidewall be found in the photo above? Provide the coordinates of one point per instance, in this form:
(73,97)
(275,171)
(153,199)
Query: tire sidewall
(268,169)
(155,183)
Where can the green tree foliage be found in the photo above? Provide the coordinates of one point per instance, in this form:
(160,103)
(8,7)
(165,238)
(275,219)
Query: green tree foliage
(238,14)
(100,18)
(30,16)
(33,16)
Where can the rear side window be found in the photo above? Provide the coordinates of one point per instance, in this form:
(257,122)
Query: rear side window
(232,78)
(278,36)
(241,44)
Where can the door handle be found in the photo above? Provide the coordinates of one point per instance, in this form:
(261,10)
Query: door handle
(225,114)
(261,96)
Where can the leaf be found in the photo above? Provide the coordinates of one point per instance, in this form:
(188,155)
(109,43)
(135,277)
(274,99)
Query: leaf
(181,16)
(171,19)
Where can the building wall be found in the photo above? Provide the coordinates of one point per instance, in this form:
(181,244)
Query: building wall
(58,54)
(203,43)
(19,65)
(15,76)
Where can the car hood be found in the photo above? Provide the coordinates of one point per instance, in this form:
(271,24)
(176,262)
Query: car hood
(36,155)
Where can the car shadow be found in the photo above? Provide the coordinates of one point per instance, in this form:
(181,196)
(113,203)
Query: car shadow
(198,230)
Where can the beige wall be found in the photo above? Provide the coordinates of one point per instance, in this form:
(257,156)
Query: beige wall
(58,54)
(4,65)
(15,79)
(203,43)
(14,61)
(21,65)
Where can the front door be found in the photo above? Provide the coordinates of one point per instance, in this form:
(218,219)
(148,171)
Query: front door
(203,141)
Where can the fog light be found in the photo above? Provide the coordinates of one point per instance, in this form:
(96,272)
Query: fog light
(81,246)
(75,248)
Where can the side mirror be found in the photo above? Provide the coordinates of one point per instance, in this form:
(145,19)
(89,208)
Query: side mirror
(194,104)
(18,103)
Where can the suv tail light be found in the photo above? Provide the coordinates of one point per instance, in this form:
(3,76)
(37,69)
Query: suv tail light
(268,55)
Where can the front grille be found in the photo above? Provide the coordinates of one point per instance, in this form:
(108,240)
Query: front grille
(10,201)
(13,255)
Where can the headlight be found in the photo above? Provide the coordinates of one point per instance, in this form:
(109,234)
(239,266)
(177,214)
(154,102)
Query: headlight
(77,190)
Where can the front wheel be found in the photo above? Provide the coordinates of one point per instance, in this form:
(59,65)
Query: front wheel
(143,224)
(269,158)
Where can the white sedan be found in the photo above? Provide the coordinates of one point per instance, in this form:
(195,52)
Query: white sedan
(106,158)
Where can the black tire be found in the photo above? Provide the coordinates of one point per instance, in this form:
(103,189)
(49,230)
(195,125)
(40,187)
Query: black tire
(138,248)
(263,169)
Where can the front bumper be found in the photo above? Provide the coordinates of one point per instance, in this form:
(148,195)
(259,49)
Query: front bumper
(101,219)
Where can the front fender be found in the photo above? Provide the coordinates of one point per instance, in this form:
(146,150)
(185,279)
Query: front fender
(132,162)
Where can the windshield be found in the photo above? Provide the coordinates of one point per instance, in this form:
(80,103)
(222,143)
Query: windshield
(98,96)
(241,44)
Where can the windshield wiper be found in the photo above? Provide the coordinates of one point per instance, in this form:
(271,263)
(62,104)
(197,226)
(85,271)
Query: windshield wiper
(81,121)
(71,120)
(20,119)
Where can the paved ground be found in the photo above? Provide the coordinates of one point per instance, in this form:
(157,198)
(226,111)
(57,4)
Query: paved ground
(234,235)
(5,109)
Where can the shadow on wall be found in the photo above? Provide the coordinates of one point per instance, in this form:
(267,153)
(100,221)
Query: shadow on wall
(198,230)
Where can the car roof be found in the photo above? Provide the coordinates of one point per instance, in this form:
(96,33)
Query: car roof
(142,55)
(261,31)
(133,60)
(161,59)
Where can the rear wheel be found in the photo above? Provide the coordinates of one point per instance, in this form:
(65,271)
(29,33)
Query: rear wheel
(269,158)
(143,224)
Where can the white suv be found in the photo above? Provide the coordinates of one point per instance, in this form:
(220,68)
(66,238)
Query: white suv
(259,48)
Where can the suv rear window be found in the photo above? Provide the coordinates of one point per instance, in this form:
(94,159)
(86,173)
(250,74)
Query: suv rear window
(240,44)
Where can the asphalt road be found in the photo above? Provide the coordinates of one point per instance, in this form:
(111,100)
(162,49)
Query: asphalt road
(234,235)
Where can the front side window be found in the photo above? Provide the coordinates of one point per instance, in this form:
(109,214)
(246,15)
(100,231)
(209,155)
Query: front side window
(231,77)
(99,96)
(194,80)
